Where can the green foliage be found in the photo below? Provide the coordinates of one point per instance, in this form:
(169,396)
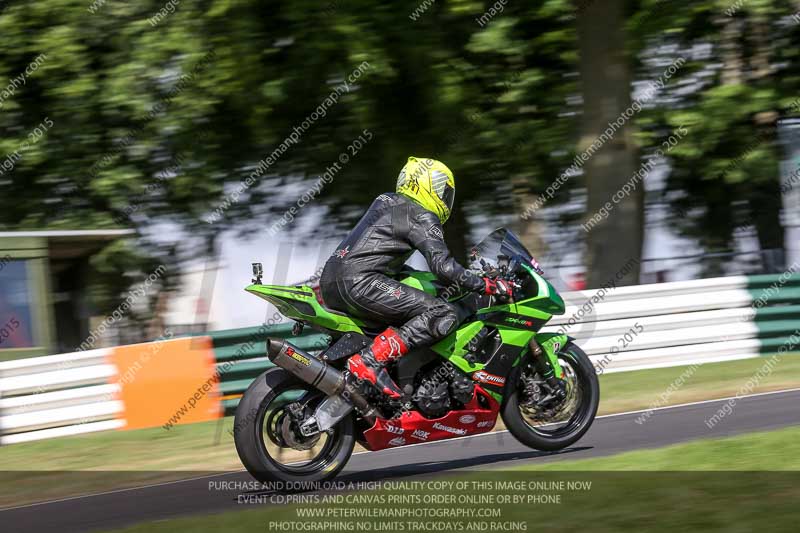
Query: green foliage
(106,72)
(739,81)
(497,103)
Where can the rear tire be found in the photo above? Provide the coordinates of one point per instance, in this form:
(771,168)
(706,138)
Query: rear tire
(254,412)
(575,428)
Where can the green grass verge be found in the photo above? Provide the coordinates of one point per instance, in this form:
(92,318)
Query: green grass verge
(772,451)
(80,465)
(630,391)
(161,455)
(191,447)
(624,493)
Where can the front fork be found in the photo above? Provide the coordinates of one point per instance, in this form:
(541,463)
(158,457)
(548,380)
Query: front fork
(548,345)
(544,349)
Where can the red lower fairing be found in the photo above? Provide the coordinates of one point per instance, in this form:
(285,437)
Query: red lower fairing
(478,416)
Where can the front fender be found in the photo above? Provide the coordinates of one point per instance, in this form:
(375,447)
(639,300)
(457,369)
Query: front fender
(551,344)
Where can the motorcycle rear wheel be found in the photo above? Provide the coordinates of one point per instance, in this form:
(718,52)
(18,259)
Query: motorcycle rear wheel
(269,448)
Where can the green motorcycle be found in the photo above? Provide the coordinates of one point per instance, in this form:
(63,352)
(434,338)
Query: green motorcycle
(298,422)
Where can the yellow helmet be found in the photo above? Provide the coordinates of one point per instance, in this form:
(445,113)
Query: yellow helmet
(429,183)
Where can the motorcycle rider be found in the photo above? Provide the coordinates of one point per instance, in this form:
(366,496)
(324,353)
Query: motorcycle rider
(358,277)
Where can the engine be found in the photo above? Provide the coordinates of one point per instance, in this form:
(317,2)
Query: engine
(442,389)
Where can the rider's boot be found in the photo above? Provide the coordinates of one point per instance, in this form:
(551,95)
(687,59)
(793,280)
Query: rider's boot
(369,365)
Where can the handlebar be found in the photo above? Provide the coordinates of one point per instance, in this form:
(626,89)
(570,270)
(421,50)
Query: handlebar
(509,278)
(506,272)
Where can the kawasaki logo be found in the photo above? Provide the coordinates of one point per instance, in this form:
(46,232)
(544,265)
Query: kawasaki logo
(454,431)
(519,321)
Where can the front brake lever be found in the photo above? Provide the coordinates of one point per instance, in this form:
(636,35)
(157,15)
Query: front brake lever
(512,283)
(486,267)
(505,298)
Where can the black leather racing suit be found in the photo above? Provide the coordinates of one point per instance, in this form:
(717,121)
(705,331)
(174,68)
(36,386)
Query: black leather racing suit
(357,278)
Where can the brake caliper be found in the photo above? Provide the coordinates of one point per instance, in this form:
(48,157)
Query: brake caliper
(300,422)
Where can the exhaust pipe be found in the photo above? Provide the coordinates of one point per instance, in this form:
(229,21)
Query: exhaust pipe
(318,374)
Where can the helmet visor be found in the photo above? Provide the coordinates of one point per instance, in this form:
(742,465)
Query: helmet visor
(449,196)
(441,188)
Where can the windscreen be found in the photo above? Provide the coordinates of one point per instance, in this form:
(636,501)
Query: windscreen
(499,244)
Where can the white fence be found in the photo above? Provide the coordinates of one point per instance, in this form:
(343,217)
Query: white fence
(57,395)
(668,324)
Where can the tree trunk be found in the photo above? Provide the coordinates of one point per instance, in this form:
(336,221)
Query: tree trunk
(456,234)
(765,206)
(614,240)
(732,72)
(530,231)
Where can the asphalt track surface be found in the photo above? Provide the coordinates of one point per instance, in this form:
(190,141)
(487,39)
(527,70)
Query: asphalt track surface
(609,435)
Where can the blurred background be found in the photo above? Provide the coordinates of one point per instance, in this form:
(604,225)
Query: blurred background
(150,151)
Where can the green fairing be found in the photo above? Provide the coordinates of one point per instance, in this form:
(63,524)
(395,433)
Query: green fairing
(543,306)
(548,299)
(496,395)
(515,337)
(552,343)
(284,297)
(422,281)
(454,346)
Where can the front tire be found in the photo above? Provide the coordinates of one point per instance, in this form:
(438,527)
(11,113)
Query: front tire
(583,388)
(261,428)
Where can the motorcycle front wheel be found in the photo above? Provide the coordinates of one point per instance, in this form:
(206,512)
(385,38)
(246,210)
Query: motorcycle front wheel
(552,425)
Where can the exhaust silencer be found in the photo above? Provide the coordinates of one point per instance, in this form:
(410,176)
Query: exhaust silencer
(317,374)
(308,368)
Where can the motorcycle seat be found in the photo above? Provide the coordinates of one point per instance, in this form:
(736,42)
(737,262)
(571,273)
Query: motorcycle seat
(371,328)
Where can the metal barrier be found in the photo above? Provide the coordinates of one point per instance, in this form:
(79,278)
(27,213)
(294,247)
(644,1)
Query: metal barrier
(622,329)
(57,395)
(682,323)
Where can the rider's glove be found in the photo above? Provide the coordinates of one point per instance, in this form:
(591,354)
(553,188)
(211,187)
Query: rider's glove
(497,287)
